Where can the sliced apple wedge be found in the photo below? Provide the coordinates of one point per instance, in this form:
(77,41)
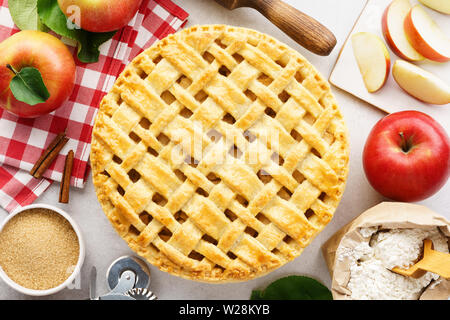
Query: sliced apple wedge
(392,24)
(420,83)
(426,36)
(438,5)
(373,59)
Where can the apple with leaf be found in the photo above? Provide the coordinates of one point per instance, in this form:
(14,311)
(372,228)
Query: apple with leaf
(37,73)
(88,22)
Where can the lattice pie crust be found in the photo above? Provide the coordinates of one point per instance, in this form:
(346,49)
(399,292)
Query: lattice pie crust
(220,217)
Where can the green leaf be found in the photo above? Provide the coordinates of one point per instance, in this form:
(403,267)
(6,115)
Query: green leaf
(28,86)
(25,16)
(293,288)
(88,42)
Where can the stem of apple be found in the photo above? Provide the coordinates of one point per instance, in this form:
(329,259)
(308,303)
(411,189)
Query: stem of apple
(405,145)
(10,67)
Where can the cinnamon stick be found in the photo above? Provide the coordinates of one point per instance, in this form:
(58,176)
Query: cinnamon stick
(65,183)
(49,155)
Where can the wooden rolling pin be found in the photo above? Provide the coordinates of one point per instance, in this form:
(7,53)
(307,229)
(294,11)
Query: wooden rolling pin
(303,29)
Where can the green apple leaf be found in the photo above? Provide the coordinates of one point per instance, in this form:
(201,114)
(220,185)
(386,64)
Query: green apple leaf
(88,42)
(293,288)
(25,16)
(28,86)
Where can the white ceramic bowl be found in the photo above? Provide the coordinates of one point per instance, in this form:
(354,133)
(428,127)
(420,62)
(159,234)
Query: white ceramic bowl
(77,269)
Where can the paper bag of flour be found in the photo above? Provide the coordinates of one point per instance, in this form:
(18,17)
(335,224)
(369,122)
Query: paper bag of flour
(385,216)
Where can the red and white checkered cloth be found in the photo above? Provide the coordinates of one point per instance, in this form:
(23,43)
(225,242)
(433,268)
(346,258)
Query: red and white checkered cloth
(22,141)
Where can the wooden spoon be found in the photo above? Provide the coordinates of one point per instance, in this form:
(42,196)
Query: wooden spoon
(303,29)
(433,261)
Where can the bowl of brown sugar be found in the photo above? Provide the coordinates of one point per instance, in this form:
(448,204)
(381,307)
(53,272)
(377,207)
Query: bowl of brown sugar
(41,250)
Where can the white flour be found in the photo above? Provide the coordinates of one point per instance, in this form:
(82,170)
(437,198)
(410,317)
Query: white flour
(370,263)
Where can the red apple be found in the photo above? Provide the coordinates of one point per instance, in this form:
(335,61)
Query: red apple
(47,54)
(100,15)
(407,156)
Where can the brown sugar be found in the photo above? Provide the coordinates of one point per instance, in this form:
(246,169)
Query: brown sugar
(38,249)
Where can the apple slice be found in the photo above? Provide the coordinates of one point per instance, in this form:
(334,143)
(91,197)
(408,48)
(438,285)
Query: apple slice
(438,5)
(392,24)
(421,84)
(373,59)
(426,36)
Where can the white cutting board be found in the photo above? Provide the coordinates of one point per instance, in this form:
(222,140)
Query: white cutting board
(391,98)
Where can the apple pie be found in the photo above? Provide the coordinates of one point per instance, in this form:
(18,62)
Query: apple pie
(219,154)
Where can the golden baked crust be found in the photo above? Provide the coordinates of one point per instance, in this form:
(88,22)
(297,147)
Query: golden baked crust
(212,211)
